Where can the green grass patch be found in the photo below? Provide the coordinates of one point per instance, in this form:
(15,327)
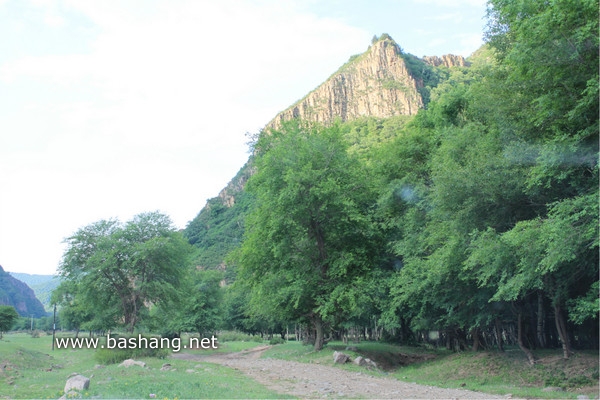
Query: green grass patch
(32,370)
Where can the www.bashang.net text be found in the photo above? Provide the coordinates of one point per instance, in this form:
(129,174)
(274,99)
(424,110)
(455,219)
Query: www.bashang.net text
(139,342)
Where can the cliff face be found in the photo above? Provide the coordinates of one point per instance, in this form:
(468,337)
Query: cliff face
(15,293)
(448,60)
(375,84)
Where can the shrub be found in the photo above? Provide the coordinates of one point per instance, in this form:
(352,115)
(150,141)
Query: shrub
(233,336)
(276,340)
(257,339)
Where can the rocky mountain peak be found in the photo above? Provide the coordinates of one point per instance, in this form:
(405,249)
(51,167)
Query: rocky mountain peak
(377,83)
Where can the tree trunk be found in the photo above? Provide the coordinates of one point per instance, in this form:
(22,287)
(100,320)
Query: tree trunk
(318,322)
(563,334)
(528,353)
(498,332)
(475,334)
(541,318)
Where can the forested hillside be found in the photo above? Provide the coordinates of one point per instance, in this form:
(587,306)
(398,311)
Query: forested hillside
(472,223)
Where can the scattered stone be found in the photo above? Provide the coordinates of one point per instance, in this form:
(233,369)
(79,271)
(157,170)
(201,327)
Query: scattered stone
(351,348)
(190,371)
(76,383)
(552,389)
(98,366)
(370,363)
(582,397)
(340,358)
(165,367)
(129,362)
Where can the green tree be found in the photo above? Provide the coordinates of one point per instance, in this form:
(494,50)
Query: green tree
(8,316)
(121,269)
(310,237)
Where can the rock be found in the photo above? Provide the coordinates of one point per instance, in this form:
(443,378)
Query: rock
(129,362)
(370,363)
(360,361)
(340,358)
(165,367)
(77,383)
(582,397)
(351,348)
(190,371)
(376,84)
(98,366)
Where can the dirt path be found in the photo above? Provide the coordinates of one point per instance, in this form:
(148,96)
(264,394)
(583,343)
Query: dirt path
(320,381)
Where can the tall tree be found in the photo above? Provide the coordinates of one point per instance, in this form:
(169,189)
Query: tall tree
(310,238)
(124,268)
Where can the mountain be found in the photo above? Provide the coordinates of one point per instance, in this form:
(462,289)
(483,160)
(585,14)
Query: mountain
(42,285)
(15,293)
(382,82)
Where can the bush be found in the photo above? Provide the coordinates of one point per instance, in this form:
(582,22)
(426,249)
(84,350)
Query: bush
(257,339)
(276,340)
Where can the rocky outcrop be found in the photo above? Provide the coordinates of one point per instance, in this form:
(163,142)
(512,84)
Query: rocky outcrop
(377,83)
(15,293)
(448,60)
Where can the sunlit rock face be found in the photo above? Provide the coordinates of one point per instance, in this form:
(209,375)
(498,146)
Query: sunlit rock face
(377,83)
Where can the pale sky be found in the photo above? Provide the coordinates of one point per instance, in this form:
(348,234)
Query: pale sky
(110,108)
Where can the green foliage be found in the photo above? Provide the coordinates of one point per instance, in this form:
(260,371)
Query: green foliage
(8,316)
(218,229)
(308,236)
(236,336)
(276,340)
(112,271)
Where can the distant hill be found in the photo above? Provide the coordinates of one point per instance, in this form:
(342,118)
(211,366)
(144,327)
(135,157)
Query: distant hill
(42,286)
(16,293)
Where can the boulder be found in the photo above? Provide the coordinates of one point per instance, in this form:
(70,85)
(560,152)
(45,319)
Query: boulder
(360,361)
(340,358)
(77,383)
(129,362)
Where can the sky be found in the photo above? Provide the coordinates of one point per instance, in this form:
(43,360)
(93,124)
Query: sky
(116,107)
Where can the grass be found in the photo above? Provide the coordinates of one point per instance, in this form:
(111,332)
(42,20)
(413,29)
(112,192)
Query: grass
(488,372)
(30,369)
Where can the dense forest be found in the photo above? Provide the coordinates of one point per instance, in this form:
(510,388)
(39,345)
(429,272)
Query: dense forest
(473,224)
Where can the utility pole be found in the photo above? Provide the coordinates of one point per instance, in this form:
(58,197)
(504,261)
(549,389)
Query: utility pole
(54,327)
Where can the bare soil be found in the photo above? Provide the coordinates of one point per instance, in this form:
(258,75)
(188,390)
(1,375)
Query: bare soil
(321,381)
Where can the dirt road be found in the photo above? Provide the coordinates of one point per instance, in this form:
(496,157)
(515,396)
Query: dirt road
(321,381)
